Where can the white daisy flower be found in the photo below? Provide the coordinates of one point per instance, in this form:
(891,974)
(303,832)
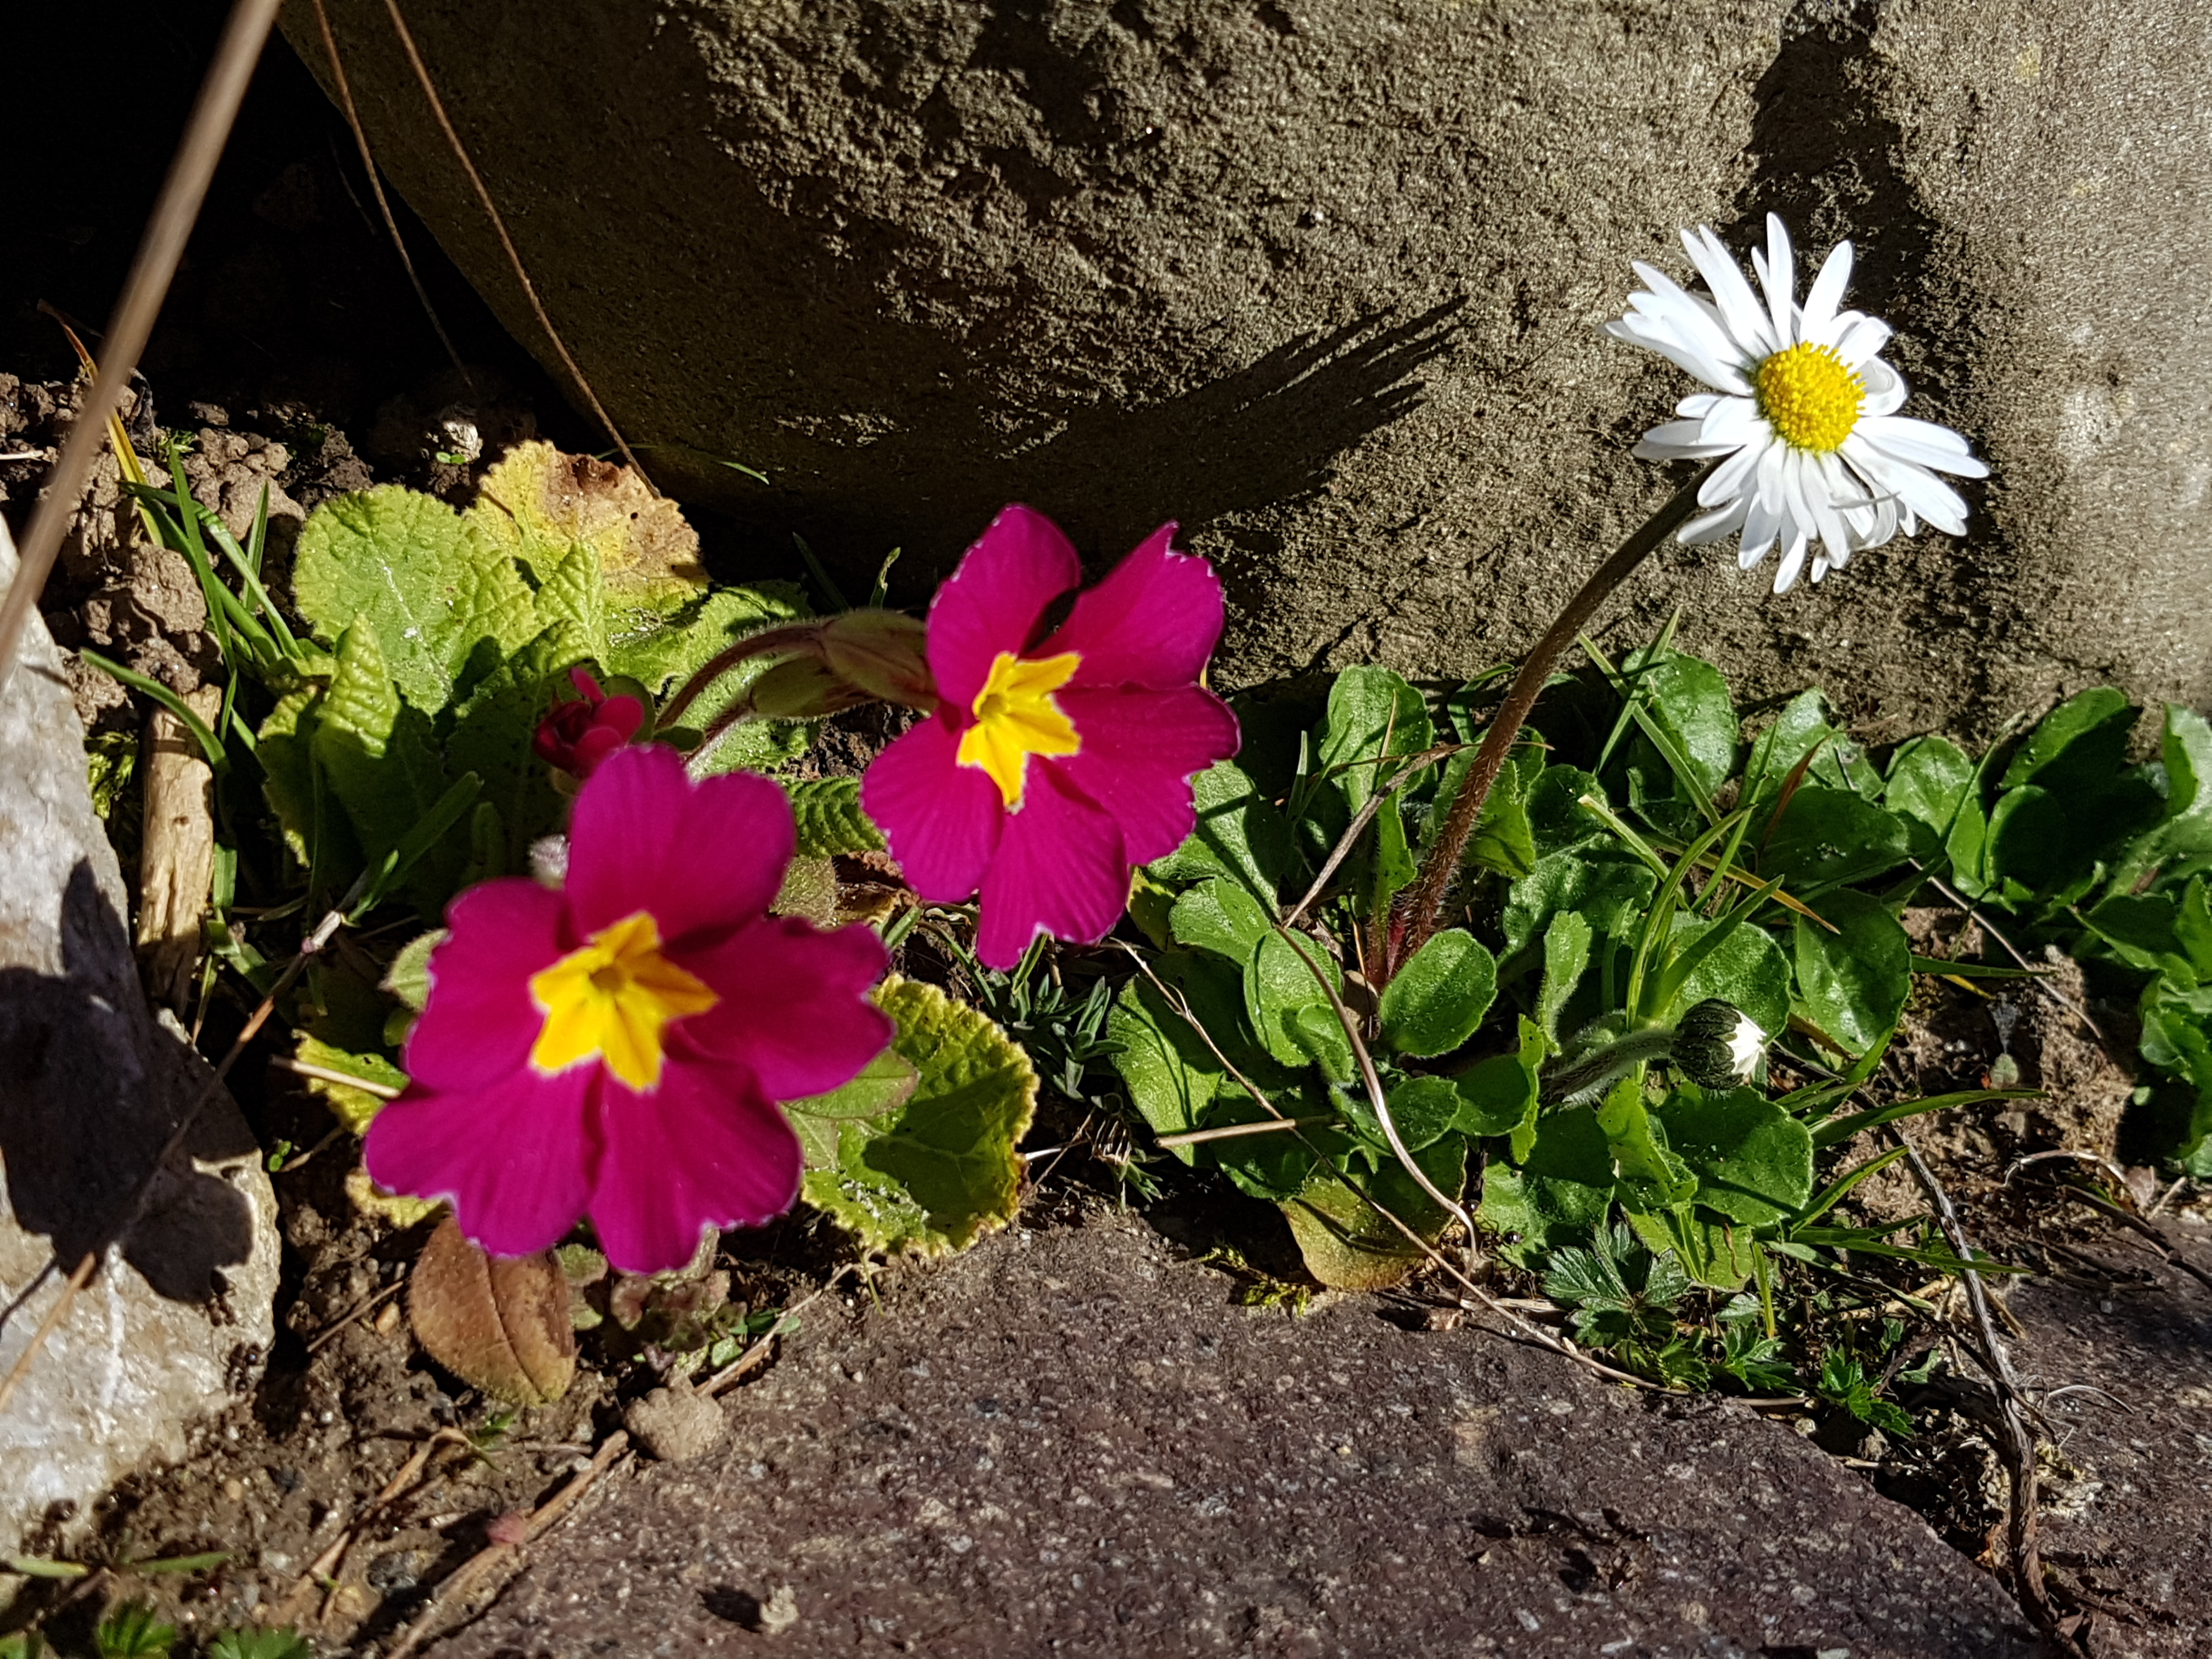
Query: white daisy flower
(1819,462)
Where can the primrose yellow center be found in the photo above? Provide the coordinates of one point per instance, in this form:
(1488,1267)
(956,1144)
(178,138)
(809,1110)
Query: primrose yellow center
(614,999)
(1810,398)
(1016,717)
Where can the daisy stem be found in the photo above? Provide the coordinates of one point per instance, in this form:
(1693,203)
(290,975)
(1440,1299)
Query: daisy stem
(1425,912)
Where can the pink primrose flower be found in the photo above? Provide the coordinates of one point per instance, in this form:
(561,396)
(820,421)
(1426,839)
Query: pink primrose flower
(579,731)
(1052,769)
(616,1048)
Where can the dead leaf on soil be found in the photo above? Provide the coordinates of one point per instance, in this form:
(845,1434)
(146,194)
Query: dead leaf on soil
(499,1322)
(539,501)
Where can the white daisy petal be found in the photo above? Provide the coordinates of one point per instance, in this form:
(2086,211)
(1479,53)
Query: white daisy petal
(1793,562)
(1828,293)
(1728,480)
(1735,420)
(1761,526)
(1915,488)
(1738,306)
(1885,390)
(1723,520)
(1770,494)
(1696,402)
(1781,278)
(1863,337)
(1925,442)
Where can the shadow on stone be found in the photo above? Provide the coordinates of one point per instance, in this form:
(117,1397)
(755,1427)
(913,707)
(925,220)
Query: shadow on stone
(85,1109)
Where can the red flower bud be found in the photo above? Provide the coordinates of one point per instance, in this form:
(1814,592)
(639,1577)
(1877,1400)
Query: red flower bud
(579,732)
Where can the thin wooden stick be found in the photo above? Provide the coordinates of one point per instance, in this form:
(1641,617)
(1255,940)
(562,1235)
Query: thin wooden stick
(162,246)
(507,242)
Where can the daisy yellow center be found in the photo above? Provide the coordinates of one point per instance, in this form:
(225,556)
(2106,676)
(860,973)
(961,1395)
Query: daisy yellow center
(1016,717)
(1810,398)
(615,999)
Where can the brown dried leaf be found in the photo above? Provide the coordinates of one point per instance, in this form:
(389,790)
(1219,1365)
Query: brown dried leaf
(537,500)
(500,1323)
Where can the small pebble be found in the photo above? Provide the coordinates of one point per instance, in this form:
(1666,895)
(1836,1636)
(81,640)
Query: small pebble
(676,1424)
(780,1611)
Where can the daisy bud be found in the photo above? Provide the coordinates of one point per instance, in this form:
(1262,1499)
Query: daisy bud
(1718,1045)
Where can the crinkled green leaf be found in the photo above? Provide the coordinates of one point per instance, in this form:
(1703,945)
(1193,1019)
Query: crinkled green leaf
(1435,1001)
(1374,716)
(1240,834)
(492,734)
(407,978)
(287,766)
(446,605)
(826,813)
(538,503)
(1852,982)
(1753,1160)
(940,1171)
(1347,1245)
(355,1108)
(885,1084)
(377,752)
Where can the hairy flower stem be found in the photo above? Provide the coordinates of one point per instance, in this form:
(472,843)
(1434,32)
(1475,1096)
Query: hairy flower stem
(1424,912)
(797,637)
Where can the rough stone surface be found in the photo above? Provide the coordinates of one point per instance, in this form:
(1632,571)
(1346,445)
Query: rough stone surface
(91,1087)
(2128,1505)
(1070,1442)
(1321,278)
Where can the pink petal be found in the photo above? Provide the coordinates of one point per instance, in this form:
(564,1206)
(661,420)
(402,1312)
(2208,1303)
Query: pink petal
(794,1007)
(942,819)
(480,1021)
(706,1149)
(1017,568)
(512,1159)
(1060,870)
(1139,751)
(1153,622)
(696,857)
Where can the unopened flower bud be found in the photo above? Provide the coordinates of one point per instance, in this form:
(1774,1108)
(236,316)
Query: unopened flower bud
(882,653)
(1718,1045)
(803,689)
(579,732)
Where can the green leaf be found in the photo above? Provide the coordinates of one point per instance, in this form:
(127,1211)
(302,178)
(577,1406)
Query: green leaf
(1931,781)
(1279,986)
(1609,888)
(1437,999)
(2079,745)
(1712,1253)
(660,650)
(1423,1109)
(1686,699)
(885,1084)
(1753,1160)
(1220,916)
(2071,797)
(1562,1189)
(376,751)
(446,603)
(2185,829)
(940,1171)
(1503,842)
(1651,1176)
(1741,965)
(1557,822)
(1171,1075)
(1498,1096)
(492,732)
(1240,834)
(1567,958)
(284,1644)
(1852,982)
(826,811)
(1827,836)
(1373,715)
(132,1631)
(355,1108)
(1800,727)
(2176,1041)
(407,978)
(1347,1245)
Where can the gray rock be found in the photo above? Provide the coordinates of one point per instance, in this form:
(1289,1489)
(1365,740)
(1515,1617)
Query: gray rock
(1321,278)
(1070,1442)
(91,1086)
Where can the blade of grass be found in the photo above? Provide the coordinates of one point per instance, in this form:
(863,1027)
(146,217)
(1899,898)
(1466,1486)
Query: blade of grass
(168,700)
